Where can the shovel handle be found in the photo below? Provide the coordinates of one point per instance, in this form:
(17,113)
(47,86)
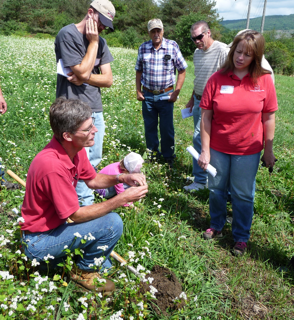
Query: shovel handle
(17,178)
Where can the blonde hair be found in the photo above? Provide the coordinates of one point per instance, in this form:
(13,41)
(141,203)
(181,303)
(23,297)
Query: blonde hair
(255,42)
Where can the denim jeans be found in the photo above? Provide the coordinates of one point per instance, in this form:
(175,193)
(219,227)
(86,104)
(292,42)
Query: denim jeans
(239,173)
(200,176)
(152,107)
(106,230)
(2,178)
(86,195)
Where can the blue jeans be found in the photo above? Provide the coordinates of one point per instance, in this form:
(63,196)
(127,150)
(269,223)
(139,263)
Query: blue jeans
(86,195)
(239,173)
(152,107)
(2,178)
(200,176)
(106,230)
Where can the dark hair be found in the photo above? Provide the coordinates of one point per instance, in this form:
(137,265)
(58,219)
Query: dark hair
(198,24)
(255,42)
(67,115)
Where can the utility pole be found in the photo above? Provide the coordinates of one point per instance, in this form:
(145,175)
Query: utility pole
(248,14)
(263,16)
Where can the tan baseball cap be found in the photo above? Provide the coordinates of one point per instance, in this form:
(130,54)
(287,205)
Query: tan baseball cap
(106,12)
(154,23)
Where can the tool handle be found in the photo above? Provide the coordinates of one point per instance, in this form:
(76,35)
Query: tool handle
(16,177)
(120,259)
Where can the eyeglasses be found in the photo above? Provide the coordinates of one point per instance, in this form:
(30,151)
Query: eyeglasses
(90,127)
(199,37)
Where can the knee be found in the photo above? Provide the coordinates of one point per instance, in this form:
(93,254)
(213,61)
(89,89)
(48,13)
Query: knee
(117,223)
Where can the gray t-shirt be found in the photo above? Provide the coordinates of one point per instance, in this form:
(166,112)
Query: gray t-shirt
(71,46)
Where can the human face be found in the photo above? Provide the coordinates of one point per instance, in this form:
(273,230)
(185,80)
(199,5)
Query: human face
(205,42)
(243,56)
(156,35)
(84,136)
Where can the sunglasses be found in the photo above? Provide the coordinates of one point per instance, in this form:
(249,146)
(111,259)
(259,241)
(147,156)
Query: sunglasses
(198,37)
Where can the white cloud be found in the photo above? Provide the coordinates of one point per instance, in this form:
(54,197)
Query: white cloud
(237,9)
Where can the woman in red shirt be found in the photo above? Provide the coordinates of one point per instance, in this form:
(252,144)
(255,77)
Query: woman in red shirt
(238,121)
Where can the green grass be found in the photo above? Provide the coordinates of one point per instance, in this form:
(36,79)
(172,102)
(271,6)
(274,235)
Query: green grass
(256,286)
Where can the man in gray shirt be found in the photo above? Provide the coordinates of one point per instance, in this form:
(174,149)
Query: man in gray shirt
(208,57)
(81,48)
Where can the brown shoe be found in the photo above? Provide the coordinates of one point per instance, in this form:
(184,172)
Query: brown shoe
(86,280)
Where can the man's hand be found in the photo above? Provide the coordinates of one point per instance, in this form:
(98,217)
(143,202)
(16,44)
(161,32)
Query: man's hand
(92,33)
(74,79)
(190,104)
(204,160)
(173,96)
(134,194)
(134,179)
(140,96)
(3,104)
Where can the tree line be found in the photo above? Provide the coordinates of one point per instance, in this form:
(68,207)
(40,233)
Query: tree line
(45,18)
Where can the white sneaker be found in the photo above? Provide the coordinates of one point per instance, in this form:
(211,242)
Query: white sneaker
(195,186)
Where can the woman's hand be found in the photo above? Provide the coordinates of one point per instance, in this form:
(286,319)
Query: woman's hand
(204,159)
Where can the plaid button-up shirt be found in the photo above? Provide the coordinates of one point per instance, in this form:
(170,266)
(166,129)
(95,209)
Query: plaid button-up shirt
(158,66)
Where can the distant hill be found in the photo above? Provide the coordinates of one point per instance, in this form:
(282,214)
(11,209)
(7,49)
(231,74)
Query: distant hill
(270,23)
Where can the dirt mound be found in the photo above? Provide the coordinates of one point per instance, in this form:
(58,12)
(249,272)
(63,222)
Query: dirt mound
(169,288)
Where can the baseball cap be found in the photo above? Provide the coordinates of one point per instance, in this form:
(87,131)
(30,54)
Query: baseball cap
(133,162)
(106,12)
(154,23)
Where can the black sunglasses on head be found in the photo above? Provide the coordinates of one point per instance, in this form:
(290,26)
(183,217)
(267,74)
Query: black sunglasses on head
(198,37)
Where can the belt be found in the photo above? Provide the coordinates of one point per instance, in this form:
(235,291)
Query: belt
(198,97)
(158,91)
(27,232)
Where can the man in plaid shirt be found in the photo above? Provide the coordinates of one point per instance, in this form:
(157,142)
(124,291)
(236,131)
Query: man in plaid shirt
(156,66)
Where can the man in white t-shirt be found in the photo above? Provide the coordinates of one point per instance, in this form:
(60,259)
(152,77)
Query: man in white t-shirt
(208,57)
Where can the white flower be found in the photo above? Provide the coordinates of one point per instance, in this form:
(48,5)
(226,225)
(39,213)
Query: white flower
(48,257)
(150,280)
(98,261)
(80,317)
(77,235)
(123,275)
(116,316)
(66,306)
(35,263)
(153,291)
(129,244)
(199,318)
(103,248)
(65,247)
(159,206)
(90,237)
(141,305)
(160,199)
(131,254)
(18,252)
(15,211)
(195,298)
(183,296)
(20,219)
(83,301)
(5,275)
(182,237)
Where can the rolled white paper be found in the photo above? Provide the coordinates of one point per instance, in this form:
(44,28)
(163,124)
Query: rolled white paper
(210,169)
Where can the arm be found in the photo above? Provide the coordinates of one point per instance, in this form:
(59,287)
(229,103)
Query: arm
(268,120)
(140,95)
(97,210)
(3,104)
(205,130)
(103,80)
(190,103)
(179,84)
(82,72)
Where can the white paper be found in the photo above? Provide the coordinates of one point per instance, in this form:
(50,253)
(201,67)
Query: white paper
(63,71)
(227,89)
(186,113)
(210,169)
(167,97)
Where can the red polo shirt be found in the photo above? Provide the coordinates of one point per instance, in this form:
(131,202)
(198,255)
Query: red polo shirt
(50,196)
(238,105)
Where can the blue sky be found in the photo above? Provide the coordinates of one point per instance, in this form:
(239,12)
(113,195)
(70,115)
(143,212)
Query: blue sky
(237,9)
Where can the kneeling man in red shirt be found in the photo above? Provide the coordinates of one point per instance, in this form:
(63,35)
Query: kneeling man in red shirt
(51,198)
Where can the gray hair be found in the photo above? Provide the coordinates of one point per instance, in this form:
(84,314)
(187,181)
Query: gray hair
(198,24)
(67,115)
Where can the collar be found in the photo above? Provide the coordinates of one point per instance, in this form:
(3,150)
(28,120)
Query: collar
(233,76)
(61,154)
(163,44)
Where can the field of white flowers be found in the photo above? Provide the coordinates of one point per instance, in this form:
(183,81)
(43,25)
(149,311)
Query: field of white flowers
(164,229)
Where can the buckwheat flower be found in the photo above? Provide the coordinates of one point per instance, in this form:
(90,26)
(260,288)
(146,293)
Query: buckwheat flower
(132,318)
(5,275)
(30,307)
(10,313)
(151,234)
(103,248)
(91,237)
(199,318)
(162,214)
(117,315)
(160,199)
(83,301)
(147,242)
(3,306)
(123,275)
(58,299)
(98,261)
(22,284)
(77,235)
(66,306)
(91,265)
(101,280)
(123,264)
(65,247)
(150,280)
(195,298)
(48,257)
(50,308)
(141,305)
(129,244)
(9,231)
(131,254)
(183,296)
(14,210)
(20,219)
(159,206)
(25,258)
(139,267)
(100,295)
(153,291)
(155,203)
(182,237)
(52,287)
(17,252)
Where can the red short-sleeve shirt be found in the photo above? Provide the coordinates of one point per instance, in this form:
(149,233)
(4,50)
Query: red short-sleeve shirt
(238,105)
(50,196)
